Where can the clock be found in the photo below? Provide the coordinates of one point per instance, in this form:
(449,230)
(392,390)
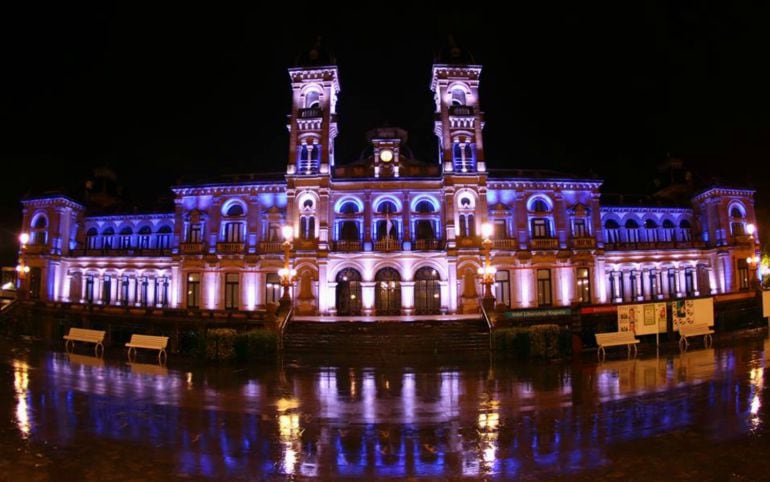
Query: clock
(386,155)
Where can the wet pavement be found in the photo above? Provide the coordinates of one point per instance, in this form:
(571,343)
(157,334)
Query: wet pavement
(698,415)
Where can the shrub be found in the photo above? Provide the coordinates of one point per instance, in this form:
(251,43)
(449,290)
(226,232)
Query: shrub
(219,344)
(544,341)
(255,344)
(538,341)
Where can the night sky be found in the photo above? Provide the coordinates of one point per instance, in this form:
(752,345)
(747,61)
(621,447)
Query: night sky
(177,94)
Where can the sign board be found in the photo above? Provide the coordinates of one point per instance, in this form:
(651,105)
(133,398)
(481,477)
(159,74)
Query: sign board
(529,314)
(692,312)
(642,319)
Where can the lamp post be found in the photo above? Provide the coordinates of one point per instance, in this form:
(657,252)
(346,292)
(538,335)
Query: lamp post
(22,268)
(287,274)
(487,272)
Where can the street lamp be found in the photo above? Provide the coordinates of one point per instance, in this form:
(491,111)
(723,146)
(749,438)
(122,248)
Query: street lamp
(487,272)
(287,274)
(22,268)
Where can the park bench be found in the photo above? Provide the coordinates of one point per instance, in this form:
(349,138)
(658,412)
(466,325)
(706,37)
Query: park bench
(86,336)
(148,342)
(686,331)
(620,338)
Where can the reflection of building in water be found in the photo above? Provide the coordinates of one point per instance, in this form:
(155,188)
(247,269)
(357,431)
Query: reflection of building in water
(400,423)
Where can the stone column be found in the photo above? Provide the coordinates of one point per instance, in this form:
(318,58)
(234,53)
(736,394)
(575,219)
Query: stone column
(328,298)
(367,293)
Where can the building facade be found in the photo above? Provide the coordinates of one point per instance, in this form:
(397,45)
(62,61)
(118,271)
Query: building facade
(389,234)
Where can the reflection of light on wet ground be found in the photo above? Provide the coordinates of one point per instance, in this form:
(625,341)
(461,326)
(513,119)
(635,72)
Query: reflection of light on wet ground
(497,421)
(21,386)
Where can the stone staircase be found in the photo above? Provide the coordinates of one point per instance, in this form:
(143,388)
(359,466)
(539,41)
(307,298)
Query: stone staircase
(435,337)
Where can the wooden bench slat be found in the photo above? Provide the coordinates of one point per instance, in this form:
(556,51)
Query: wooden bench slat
(85,335)
(150,342)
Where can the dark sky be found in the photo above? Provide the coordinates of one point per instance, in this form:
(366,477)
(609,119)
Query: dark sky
(163,94)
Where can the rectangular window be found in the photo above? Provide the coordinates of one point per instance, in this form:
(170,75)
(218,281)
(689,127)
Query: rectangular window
(125,242)
(672,285)
(106,290)
(540,228)
(231,291)
(653,284)
(124,290)
(689,282)
(161,292)
(142,285)
(634,288)
(163,241)
(272,288)
(89,289)
(195,234)
(583,286)
(91,242)
(503,288)
(107,242)
(544,297)
(193,290)
(144,241)
(743,274)
(579,229)
(233,232)
(500,229)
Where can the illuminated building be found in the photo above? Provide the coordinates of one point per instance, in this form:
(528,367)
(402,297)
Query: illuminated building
(389,234)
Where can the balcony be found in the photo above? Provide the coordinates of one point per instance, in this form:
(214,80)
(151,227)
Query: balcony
(229,248)
(544,243)
(428,244)
(468,242)
(270,247)
(305,244)
(310,113)
(461,110)
(386,245)
(744,240)
(191,248)
(37,249)
(510,244)
(583,243)
(347,245)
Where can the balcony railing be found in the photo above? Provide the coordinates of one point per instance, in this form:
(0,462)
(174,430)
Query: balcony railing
(505,243)
(583,243)
(191,248)
(229,248)
(744,240)
(461,110)
(37,248)
(121,252)
(468,242)
(544,243)
(344,245)
(428,244)
(270,247)
(310,113)
(387,245)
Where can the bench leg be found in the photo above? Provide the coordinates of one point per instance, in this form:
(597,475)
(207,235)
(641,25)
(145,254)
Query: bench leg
(96,349)
(129,353)
(636,350)
(601,353)
(707,340)
(162,357)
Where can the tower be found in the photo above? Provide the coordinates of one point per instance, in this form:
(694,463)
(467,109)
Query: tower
(313,119)
(459,121)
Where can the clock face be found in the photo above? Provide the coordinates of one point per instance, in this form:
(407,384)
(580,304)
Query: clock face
(386,155)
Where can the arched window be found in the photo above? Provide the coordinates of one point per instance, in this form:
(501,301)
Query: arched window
(39,231)
(164,237)
(427,291)
(540,206)
(458,96)
(348,301)
(632,231)
(424,207)
(685,230)
(349,231)
(387,207)
(349,207)
(387,292)
(308,204)
(144,237)
(464,156)
(312,100)
(233,228)
(669,230)
(125,237)
(651,230)
(540,222)
(611,231)
(107,236)
(738,220)
(467,225)
(91,238)
(307,227)
(309,157)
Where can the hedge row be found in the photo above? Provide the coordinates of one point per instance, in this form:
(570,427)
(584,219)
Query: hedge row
(537,341)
